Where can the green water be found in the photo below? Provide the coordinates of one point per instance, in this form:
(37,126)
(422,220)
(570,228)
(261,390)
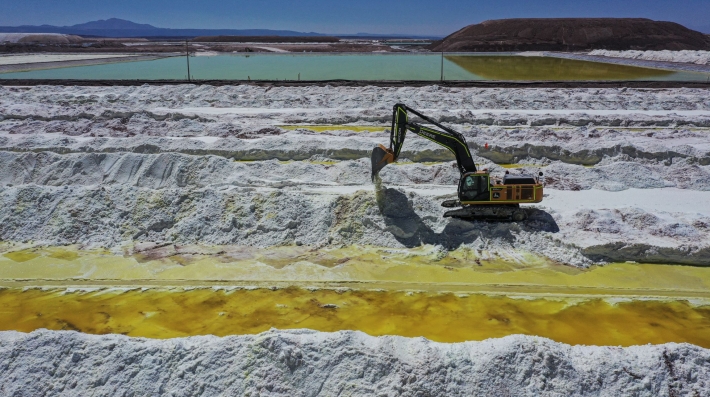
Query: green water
(360,67)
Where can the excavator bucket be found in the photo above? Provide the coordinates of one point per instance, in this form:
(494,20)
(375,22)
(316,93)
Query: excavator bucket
(381,156)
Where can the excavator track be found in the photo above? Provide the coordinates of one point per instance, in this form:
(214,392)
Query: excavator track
(488,212)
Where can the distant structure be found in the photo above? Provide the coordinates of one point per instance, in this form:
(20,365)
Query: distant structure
(572,34)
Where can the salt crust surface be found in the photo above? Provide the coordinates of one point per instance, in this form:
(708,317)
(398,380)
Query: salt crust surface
(110,166)
(37,37)
(58,185)
(310,363)
(41,58)
(114,199)
(684,56)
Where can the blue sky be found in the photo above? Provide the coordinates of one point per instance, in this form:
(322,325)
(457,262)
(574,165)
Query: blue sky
(345,16)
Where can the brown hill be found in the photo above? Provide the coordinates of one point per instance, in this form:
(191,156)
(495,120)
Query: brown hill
(573,34)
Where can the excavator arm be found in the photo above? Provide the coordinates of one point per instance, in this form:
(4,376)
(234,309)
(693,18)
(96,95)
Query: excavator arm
(446,137)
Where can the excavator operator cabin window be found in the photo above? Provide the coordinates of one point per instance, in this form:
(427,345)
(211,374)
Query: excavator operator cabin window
(475,187)
(469,188)
(471,183)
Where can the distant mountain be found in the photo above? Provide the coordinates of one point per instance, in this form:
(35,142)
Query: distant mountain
(112,24)
(115,27)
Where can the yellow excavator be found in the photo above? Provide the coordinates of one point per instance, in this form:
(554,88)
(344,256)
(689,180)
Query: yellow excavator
(480,196)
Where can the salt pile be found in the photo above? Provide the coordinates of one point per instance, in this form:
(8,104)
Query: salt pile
(684,56)
(107,167)
(55,38)
(309,363)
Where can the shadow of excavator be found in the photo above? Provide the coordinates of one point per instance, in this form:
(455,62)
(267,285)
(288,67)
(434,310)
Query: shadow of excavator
(411,230)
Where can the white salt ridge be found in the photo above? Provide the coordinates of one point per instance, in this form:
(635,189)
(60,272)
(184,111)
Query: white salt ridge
(473,111)
(46,99)
(670,200)
(684,56)
(42,58)
(126,179)
(308,363)
(272,49)
(38,37)
(215,110)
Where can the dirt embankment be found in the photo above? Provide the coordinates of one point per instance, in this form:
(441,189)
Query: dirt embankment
(573,34)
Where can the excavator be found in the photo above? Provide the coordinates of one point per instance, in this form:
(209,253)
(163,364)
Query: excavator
(480,196)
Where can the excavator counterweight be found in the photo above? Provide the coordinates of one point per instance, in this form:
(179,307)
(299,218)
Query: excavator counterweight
(479,195)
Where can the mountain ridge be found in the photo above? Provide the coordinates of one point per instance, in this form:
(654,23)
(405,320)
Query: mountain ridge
(112,23)
(116,27)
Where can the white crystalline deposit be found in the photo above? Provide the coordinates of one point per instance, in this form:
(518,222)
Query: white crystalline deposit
(110,166)
(684,56)
(44,101)
(309,363)
(56,38)
(42,58)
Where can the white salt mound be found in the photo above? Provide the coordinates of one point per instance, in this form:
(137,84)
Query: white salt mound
(55,38)
(310,363)
(685,56)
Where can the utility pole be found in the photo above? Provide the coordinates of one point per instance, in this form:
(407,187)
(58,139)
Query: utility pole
(187,57)
(442,66)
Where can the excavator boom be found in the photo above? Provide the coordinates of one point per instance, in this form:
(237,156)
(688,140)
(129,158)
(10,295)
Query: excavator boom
(446,137)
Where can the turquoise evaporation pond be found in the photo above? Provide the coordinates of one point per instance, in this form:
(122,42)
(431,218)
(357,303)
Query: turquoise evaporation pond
(359,67)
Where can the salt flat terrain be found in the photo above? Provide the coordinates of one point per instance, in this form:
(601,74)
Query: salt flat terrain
(685,56)
(240,165)
(40,58)
(160,172)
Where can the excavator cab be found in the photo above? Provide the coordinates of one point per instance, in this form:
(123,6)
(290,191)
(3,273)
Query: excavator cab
(474,187)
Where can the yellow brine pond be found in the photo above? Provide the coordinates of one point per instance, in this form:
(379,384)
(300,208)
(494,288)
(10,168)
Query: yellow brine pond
(169,291)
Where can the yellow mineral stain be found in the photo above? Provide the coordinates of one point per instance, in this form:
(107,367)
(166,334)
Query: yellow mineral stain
(22,255)
(324,162)
(522,165)
(443,317)
(542,68)
(323,128)
(60,253)
(421,268)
